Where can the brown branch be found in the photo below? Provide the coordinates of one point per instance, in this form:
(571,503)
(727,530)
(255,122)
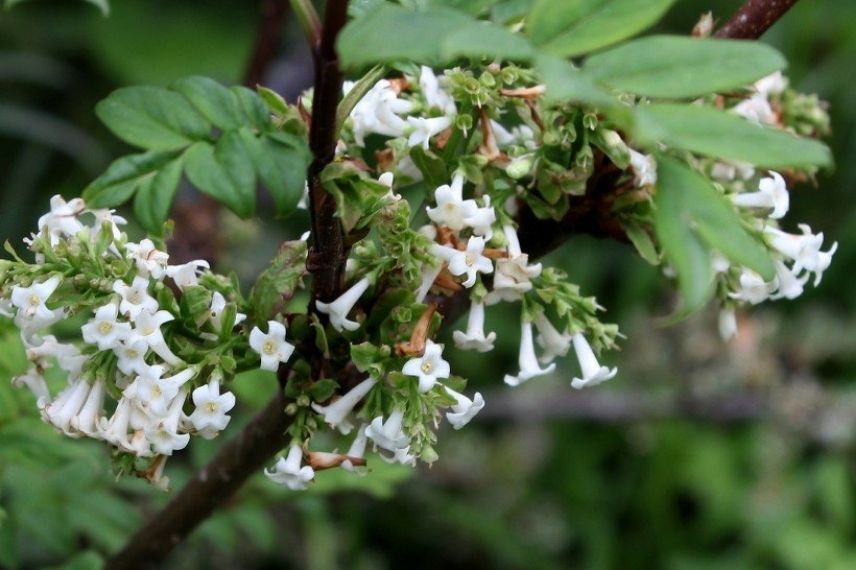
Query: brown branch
(268,38)
(327,257)
(754,18)
(236,461)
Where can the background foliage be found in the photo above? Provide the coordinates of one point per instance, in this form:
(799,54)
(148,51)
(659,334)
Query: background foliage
(537,483)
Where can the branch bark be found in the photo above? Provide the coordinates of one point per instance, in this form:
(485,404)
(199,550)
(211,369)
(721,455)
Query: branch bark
(754,18)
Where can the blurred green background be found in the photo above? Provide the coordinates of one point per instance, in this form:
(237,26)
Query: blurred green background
(698,456)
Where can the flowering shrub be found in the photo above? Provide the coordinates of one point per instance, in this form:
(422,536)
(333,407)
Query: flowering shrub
(446,183)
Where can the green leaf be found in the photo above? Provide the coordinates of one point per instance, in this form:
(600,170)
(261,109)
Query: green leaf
(323,389)
(432,167)
(153,201)
(102,5)
(565,82)
(692,218)
(574,27)
(642,242)
(720,134)
(392,33)
(253,107)
(224,172)
(123,177)
(277,284)
(280,166)
(680,66)
(152,117)
(215,102)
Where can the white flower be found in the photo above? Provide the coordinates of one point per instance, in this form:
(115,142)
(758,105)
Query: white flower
(338,310)
(424,129)
(753,288)
(336,414)
(526,359)
(135,297)
(474,338)
(187,274)
(90,415)
(67,356)
(67,405)
(62,220)
(592,372)
(357,449)
(105,217)
(104,329)
(148,259)
(727,324)
(788,284)
(644,167)
(429,275)
(31,300)
(772,84)
(482,220)
(209,418)
(772,194)
(163,435)
(115,430)
(435,96)
(513,275)
(429,367)
(29,326)
(131,356)
(551,340)
(35,382)
(377,112)
(288,471)
(464,409)
(469,262)
(757,109)
(452,210)
(218,305)
(147,326)
(389,435)
(729,171)
(154,393)
(272,347)
(803,249)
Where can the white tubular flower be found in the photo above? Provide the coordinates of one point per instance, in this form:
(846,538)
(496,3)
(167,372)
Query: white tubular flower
(288,471)
(357,450)
(108,218)
(644,168)
(104,329)
(475,338)
(31,300)
(135,297)
(147,326)
(29,326)
(67,405)
(803,249)
(209,418)
(115,430)
(435,96)
(593,373)
(464,409)
(389,435)
(67,355)
(338,310)
(757,109)
(187,274)
(163,435)
(526,359)
(772,194)
(452,210)
(753,288)
(482,220)
(727,324)
(149,260)
(425,129)
(35,382)
(132,356)
(772,84)
(377,112)
(336,413)
(553,342)
(469,262)
(272,347)
(728,171)
(218,305)
(513,275)
(154,393)
(62,220)
(428,367)
(429,275)
(87,421)
(789,285)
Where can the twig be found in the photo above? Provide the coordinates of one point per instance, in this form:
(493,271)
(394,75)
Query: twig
(268,38)
(236,461)
(754,18)
(327,256)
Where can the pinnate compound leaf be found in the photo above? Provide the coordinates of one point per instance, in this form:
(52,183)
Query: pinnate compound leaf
(224,172)
(153,118)
(123,177)
(681,66)
(573,27)
(721,134)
